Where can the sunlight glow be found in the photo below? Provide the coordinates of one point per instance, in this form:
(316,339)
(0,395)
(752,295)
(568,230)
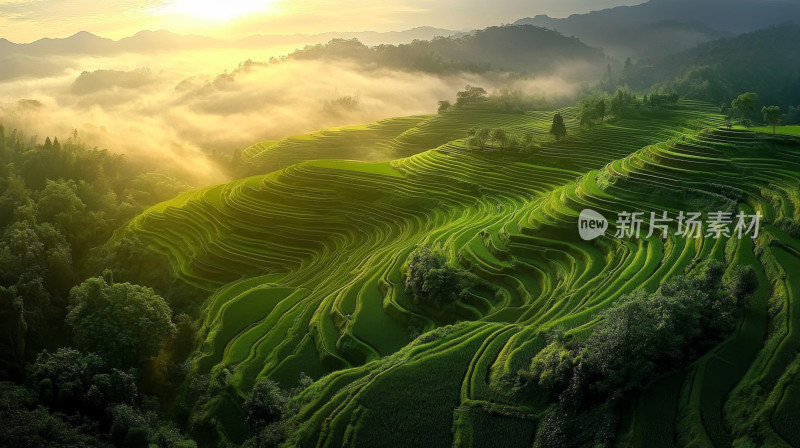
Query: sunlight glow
(219,10)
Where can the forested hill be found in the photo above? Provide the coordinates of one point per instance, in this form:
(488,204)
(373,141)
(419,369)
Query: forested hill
(661,27)
(518,48)
(765,61)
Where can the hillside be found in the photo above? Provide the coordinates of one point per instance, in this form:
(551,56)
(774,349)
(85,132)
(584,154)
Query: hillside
(659,27)
(517,48)
(578,232)
(305,265)
(391,138)
(41,57)
(765,61)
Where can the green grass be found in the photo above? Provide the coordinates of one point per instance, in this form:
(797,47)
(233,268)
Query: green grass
(381,168)
(782,130)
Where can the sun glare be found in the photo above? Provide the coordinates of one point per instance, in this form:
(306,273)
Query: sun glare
(219,10)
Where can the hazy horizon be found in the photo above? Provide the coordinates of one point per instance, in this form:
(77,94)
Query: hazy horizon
(168,103)
(28,21)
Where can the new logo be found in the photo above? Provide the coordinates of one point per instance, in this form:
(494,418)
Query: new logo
(591,224)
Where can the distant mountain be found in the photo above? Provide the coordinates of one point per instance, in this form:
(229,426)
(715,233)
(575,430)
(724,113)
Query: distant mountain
(80,43)
(661,27)
(514,48)
(766,62)
(366,37)
(155,41)
(32,59)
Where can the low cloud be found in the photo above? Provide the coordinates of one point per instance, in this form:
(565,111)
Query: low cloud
(165,110)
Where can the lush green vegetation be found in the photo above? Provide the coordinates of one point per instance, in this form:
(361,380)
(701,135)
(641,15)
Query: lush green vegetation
(763,61)
(785,130)
(520,48)
(80,355)
(440,296)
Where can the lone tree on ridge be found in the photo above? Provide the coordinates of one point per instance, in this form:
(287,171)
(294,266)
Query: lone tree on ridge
(772,115)
(558,129)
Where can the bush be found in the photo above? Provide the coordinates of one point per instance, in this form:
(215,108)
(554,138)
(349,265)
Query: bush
(265,404)
(431,281)
(551,369)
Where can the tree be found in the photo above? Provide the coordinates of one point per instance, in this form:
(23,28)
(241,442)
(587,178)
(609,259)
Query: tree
(23,422)
(592,109)
(265,404)
(644,334)
(124,323)
(470,94)
(621,102)
(601,109)
(587,111)
(130,427)
(74,382)
(60,205)
(431,281)
(528,141)
(13,328)
(552,367)
(744,105)
(793,117)
(482,135)
(558,129)
(500,135)
(772,115)
(444,105)
(37,260)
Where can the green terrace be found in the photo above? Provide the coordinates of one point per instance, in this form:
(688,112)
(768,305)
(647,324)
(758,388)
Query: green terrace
(304,267)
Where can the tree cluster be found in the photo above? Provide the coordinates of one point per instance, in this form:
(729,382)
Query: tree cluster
(661,97)
(641,336)
(593,109)
(430,280)
(470,94)
(480,138)
(75,354)
(623,103)
(500,48)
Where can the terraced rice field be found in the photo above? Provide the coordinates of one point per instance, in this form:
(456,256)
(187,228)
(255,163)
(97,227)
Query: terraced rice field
(396,137)
(784,130)
(303,266)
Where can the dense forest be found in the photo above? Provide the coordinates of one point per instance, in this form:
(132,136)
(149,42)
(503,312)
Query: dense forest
(73,376)
(764,61)
(515,48)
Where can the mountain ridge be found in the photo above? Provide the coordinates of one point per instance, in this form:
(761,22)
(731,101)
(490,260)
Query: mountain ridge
(628,30)
(144,40)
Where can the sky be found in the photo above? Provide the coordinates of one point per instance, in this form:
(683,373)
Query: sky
(29,20)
